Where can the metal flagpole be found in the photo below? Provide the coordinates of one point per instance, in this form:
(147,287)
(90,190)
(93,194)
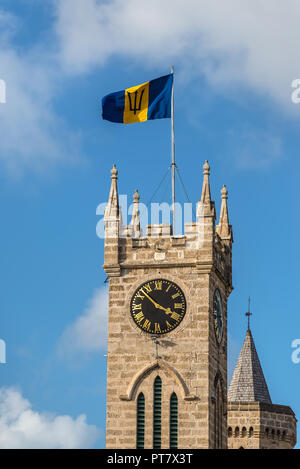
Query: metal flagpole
(173,152)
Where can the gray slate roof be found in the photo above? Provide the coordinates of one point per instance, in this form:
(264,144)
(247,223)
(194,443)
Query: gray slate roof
(248,383)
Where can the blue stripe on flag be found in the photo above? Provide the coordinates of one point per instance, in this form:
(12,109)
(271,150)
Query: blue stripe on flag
(160,95)
(113,106)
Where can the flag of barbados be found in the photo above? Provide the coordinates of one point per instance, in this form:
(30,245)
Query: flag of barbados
(151,100)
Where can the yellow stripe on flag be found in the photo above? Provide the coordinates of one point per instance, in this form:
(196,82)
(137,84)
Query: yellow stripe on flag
(136,104)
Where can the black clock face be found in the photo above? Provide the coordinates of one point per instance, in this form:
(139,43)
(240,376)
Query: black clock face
(218,316)
(158,306)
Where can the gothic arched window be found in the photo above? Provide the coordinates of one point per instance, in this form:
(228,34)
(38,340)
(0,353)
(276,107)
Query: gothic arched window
(157,413)
(229,432)
(174,421)
(250,432)
(140,421)
(219,411)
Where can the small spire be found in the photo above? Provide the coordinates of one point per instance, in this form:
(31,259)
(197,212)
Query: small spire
(248,314)
(135,220)
(223,228)
(136,197)
(114,172)
(248,383)
(205,197)
(112,208)
(206,207)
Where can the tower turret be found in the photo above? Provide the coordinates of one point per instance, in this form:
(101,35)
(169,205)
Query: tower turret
(253,421)
(223,229)
(206,207)
(135,219)
(113,221)
(167,330)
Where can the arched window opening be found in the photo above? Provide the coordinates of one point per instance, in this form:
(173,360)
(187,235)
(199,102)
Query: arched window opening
(219,411)
(229,432)
(273,434)
(250,432)
(140,421)
(173,421)
(267,433)
(157,413)
(237,432)
(284,435)
(278,434)
(244,432)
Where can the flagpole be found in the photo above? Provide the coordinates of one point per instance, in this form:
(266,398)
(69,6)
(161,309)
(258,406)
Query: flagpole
(173,152)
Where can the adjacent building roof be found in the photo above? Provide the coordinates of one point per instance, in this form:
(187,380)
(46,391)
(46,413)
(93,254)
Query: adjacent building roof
(248,383)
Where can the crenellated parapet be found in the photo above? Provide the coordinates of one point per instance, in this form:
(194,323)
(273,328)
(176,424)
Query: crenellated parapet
(203,244)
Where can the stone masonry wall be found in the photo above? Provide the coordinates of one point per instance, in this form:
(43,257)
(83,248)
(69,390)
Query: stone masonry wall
(187,359)
(260,426)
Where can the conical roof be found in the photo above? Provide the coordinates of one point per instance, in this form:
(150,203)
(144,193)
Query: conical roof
(248,383)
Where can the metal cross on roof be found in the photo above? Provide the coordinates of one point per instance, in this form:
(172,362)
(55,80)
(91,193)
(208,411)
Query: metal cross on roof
(248,314)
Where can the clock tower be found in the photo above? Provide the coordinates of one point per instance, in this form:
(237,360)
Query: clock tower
(167,327)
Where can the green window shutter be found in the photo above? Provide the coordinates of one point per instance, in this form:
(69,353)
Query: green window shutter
(140,421)
(173,421)
(157,413)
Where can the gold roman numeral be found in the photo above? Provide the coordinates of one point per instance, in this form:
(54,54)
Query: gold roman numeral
(175,296)
(175,316)
(157,328)
(178,305)
(139,295)
(158,285)
(147,288)
(134,307)
(147,325)
(139,317)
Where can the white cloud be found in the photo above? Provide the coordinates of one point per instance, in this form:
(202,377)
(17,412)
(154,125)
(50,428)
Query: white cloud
(89,331)
(22,428)
(32,136)
(236,45)
(252,43)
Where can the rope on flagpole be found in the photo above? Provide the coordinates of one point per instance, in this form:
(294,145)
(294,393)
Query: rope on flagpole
(158,187)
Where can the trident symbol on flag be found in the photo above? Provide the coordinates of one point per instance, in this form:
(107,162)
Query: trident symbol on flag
(135,108)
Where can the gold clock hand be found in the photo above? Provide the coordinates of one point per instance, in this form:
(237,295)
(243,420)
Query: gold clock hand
(174,315)
(154,302)
(167,310)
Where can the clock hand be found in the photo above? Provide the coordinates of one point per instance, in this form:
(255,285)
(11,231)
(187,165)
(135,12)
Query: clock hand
(167,310)
(154,302)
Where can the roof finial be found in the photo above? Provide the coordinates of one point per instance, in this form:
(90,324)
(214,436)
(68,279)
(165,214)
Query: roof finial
(114,172)
(223,228)
(112,208)
(205,196)
(248,314)
(135,220)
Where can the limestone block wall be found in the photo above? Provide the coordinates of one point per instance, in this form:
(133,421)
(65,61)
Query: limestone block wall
(257,425)
(188,358)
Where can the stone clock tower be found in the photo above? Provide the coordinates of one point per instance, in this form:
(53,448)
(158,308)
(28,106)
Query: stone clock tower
(167,328)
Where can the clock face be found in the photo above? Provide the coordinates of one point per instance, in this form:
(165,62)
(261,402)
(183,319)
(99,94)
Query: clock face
(158,306)
(218,316)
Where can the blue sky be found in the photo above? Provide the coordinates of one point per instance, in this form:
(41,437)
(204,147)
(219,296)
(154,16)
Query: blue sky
(234,65)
